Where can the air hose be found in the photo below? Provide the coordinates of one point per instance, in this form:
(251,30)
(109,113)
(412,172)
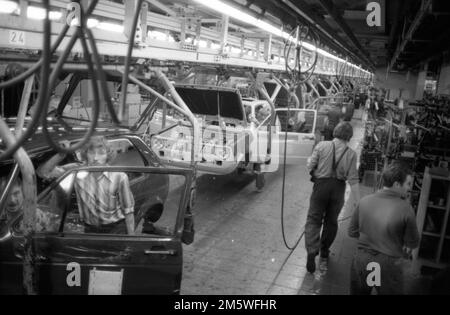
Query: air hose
(283,193)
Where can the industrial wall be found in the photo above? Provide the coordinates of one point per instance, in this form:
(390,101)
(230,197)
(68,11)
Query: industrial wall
(398,85)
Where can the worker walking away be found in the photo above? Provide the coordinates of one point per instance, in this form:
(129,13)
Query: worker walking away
(332,119)
(385,226)
(331,165)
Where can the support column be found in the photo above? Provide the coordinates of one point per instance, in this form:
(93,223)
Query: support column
(224,33)
(444,78)
(420,87)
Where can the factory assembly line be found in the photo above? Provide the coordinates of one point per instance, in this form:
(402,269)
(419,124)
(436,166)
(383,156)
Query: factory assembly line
(194,103)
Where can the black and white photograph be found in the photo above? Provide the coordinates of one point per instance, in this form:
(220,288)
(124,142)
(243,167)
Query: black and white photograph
(226,153)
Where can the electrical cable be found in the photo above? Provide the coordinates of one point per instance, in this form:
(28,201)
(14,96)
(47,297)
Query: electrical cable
(101,76)
(296,75)
(125,79)
(96,104)
(43,89)
(25,75)
(283,189)
(297,80)
(293,249)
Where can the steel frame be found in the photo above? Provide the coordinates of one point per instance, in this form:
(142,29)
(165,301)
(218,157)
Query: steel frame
(258,50)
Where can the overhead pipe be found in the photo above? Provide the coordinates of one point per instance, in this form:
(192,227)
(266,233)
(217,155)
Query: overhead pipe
(425,6)
(332,10)
(329,33)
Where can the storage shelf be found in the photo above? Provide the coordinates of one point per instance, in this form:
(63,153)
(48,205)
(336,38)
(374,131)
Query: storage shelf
(433,222)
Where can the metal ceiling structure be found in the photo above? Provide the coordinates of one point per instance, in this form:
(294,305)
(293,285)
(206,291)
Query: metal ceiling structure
(189,31)
(412,32)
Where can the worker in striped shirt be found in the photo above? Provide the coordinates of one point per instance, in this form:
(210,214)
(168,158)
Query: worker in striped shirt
(105,200)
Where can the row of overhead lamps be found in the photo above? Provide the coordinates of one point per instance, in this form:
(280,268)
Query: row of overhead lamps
(239,15)
(37,13)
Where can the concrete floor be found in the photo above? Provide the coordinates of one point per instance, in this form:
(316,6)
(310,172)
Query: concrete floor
(239,247)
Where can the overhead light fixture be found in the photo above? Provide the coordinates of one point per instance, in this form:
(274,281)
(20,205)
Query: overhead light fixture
(158,35)
(237,14)
(8,7)
(37,13)
(106,26)
(235,50)
(91,23)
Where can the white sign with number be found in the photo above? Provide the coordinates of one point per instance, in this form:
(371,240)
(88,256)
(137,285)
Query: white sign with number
(17,38)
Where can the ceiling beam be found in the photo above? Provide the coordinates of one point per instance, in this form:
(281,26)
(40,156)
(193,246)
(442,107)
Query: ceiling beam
(400,7)
(303,10)
(425,8)
(334,12)
(435,49)
(163,7)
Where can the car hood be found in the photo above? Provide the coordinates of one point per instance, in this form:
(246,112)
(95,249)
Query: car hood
(212,101)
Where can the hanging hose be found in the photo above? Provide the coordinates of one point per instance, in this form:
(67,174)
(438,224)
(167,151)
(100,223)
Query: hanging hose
(296,75)
(25,75)
(125,79)
(96,106)
(45,85)
(43,89)
(101,76)
(283,189)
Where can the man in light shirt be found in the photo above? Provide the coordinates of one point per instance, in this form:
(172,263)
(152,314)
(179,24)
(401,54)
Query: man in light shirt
(331,165)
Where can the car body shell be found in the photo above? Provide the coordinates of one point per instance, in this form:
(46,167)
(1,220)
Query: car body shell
(150,264)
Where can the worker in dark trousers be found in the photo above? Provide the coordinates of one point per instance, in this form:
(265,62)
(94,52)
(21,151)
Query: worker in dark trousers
(332,119)
(385,225)
(331,165)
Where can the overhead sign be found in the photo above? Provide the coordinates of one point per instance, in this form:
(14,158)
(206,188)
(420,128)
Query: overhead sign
(17,38)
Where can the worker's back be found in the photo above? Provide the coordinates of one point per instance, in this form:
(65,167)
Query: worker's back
(334,117)
(386,223)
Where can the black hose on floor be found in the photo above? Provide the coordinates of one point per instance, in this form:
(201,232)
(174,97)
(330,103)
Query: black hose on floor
(283,189)
(283,192)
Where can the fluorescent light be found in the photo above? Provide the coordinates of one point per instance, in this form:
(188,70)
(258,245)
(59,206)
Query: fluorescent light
(235,50)
(308,46)
(269,28)
(158,35)
(221,7)
(37,13)
(92,23)
(8,7)
(106,26)
(237,14)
